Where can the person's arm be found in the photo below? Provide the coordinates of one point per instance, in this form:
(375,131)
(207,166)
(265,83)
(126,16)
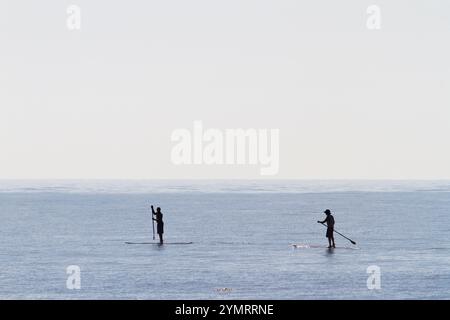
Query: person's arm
(323,220)
(153,211)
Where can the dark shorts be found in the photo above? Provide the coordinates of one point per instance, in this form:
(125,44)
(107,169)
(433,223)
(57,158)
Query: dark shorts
(160,228)
(329,233)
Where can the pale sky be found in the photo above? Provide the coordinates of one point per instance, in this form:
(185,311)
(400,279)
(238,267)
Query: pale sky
(102,102)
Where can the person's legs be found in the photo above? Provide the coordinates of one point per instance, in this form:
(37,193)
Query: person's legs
(329,236)
(161,238)
(334,245)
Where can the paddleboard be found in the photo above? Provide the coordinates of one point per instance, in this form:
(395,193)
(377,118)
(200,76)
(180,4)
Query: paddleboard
(318,246)
(157,243)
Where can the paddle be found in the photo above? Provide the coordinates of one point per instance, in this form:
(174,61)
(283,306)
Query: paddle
(353,242)
(153,225)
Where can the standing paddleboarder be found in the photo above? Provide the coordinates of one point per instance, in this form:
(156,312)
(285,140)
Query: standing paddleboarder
(330,227)
(159,223)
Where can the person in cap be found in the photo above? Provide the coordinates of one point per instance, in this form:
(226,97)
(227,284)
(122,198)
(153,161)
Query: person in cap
(329,220)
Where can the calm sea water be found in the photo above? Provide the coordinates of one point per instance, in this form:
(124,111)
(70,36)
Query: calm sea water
(242,233)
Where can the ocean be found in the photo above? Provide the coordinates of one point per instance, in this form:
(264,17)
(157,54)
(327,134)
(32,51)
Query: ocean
(242,234)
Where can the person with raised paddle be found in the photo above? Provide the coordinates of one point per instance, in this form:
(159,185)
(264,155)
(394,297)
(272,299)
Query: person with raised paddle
(329,220)
(159,223)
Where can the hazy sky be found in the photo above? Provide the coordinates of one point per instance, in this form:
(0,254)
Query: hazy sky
(102,102)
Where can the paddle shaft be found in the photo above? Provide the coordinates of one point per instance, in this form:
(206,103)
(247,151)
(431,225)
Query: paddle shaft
(153,225)
(353,242)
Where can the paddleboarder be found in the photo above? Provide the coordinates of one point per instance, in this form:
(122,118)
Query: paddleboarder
(329,220)
(159,223)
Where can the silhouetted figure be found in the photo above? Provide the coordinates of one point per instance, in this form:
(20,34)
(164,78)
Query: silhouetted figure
(330,228)
(159,223)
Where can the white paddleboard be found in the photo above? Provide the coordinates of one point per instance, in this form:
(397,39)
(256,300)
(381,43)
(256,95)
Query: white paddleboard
(318,246)
(157,243)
